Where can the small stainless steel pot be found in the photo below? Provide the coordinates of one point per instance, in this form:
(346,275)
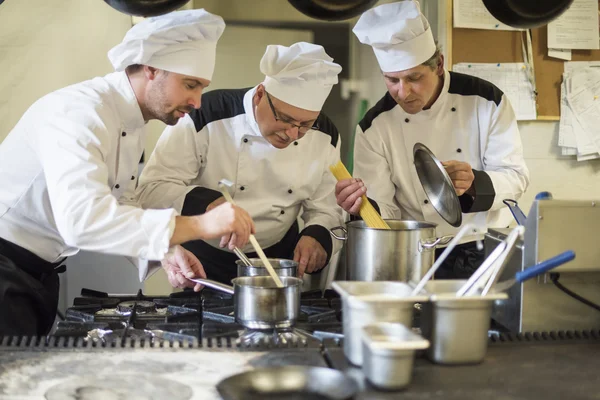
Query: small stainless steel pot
(259,303)
(281,266)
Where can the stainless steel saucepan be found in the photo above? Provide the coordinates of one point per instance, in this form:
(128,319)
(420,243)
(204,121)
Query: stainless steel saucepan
(259,303)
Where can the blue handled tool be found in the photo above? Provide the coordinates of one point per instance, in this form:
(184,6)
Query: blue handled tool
(516,211)
(536,270)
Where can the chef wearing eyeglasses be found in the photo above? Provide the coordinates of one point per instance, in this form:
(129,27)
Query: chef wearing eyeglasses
(274,144)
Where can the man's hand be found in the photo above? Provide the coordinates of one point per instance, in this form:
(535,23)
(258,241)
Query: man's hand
(348,194)
(227,220)
(215,203)
(310,255)
(461,174)
(180,264)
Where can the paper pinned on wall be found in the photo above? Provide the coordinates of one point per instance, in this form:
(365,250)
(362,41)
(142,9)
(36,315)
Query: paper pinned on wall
(473,14)
(583,97)
(562,54)
(512,79)
(575,65)
(579,129)
(577,28)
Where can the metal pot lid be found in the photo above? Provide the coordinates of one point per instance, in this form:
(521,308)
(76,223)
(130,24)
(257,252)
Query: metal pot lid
(437,185)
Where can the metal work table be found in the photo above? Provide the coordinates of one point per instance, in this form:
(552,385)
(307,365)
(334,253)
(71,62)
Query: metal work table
(530,369)
(544,366)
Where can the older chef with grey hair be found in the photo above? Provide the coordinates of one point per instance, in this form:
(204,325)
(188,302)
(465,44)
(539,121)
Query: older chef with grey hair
(68,170)
(467,122)
(274,143)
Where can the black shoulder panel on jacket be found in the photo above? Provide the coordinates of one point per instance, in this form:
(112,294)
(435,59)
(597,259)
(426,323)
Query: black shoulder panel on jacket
(217,105)
(328,127)
(386,103)
(467,85)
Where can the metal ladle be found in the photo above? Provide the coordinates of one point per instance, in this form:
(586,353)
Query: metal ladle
(244,258)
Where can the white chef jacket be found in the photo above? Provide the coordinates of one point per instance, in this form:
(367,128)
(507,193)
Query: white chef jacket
(272,185)
(471,121)
(68,169)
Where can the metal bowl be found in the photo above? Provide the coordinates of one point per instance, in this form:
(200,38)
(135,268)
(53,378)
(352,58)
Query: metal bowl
(437,185)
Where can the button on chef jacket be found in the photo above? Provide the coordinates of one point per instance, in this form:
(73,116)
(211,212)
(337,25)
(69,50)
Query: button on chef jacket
(223,140)
(68,172)
(471,121)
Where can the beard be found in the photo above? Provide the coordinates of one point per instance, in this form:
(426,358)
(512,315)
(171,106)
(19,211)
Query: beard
(161,109)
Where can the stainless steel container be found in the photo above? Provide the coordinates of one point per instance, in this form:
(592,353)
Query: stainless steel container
(259,303)
(403,253)
(389,353)
(281,266)
(457,327)
(364,303)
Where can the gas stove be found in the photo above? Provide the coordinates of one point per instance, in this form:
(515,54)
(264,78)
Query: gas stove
(180,347)
(189,317)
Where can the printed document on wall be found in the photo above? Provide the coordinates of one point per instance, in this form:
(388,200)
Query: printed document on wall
(579,129)
(584,100)
(512,79)
(577,28)
(473,14)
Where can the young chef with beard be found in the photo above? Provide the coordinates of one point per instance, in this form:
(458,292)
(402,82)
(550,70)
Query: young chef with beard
(68,171)
(274,144)
(467,122)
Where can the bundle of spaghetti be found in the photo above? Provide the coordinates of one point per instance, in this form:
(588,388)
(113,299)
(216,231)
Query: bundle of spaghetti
(367,212)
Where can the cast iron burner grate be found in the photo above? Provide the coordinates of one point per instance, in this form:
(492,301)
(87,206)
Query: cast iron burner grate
(569,336)
(187,316)
(62,343)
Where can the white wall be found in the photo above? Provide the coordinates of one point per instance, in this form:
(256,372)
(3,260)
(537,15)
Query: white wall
(45,45)
(564,177)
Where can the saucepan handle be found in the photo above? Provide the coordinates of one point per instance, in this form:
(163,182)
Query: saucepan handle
(427,244)
(214,284)
(339,228)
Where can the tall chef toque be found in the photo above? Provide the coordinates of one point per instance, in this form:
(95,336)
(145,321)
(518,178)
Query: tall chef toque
(301,75)
(184,42)
(399,34)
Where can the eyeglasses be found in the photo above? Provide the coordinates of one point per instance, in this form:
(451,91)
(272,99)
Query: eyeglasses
(301,128)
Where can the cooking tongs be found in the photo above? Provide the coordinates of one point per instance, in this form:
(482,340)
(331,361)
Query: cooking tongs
(490,270)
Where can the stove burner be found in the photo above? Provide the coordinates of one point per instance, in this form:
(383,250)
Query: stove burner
(251,337)
(142,307)
(119,387)
(186,316)
(105,335)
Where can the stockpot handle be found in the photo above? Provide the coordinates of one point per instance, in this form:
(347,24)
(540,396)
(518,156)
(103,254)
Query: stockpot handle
(339,228)
(426,245)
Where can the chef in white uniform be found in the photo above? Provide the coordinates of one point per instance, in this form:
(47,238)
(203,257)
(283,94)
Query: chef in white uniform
(68,170)
(467,122)
(274,144)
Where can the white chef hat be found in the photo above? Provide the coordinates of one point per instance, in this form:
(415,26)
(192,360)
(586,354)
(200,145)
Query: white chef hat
(184,42)
(399,34)
(301,75)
